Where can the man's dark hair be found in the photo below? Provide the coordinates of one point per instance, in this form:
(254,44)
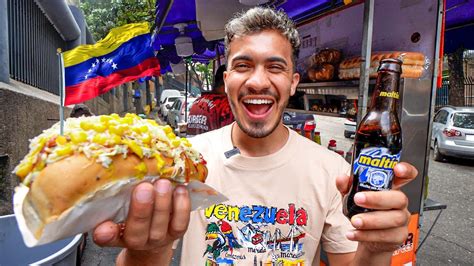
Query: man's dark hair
(258,19)
(80,110)
(219,77)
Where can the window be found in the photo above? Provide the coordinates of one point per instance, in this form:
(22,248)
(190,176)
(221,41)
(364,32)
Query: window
(441,117)
(464,120)
(175,105)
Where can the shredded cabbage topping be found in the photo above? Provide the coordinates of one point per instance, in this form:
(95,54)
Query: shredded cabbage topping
(103,137)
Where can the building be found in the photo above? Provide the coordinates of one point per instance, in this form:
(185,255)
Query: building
(29,78)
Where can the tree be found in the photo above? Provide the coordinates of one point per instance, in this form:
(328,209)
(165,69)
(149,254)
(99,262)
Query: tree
(103,15)
(456,78)
(206,74)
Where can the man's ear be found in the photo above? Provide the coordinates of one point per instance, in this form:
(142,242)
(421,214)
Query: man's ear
(294,83)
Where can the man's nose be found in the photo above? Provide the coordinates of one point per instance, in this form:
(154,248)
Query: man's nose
(258,79)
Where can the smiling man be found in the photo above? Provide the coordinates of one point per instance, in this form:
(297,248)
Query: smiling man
(284,190)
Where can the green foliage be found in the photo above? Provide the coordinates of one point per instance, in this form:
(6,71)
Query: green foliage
(205,71)
(103,15)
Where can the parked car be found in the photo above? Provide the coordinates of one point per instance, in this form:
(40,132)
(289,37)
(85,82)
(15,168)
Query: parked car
(167,93)
(166,105)
(453,133)
(350,127)
(299,120)
(177,112)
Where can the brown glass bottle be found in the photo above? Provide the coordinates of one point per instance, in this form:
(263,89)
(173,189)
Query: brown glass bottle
(378,139)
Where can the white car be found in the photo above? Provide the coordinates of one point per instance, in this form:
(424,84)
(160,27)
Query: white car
(350,127)
(166,105)
(168,93)
(453,133)
(176,113)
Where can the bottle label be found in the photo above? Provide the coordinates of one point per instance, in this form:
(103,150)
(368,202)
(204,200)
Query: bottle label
(374,167)
(392,94)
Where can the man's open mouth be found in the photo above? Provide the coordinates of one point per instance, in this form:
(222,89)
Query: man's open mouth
(258,108)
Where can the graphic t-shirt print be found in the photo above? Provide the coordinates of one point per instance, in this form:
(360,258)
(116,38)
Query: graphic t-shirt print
(266,235)
(211,111)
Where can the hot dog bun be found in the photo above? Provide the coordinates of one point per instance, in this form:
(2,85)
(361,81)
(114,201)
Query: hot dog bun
(61,171)
(413,64)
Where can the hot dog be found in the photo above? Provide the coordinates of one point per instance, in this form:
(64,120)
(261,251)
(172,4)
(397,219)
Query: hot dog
(61,171)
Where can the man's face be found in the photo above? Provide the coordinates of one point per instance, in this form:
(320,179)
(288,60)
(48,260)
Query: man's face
(259,81)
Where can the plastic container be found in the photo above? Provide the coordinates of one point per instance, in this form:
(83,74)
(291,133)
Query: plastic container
(317,137)
(14,252)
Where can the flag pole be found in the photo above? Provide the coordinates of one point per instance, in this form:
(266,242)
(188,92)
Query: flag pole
(61,91)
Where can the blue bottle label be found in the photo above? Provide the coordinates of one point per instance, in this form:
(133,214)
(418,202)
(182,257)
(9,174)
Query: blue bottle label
(374,167)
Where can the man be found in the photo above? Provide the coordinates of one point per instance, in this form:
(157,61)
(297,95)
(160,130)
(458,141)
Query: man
(283,200)
(80,110)
(211,110)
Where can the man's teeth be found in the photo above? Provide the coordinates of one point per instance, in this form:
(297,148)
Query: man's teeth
(258,101)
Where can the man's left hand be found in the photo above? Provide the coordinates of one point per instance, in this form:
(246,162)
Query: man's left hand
(384,229)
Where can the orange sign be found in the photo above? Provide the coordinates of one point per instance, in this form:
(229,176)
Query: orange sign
(405,254)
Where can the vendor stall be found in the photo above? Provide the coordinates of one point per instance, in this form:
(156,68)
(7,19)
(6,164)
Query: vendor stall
(342,44)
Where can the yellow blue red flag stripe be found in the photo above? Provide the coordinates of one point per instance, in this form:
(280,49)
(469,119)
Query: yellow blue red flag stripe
(124,55)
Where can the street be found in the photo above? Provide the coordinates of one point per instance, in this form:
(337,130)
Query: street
(449,243)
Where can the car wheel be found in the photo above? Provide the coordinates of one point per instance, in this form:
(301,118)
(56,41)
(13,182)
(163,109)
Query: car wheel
(347,134)
(437,156)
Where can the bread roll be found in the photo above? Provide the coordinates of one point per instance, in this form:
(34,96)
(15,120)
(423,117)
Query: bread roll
(329,56)
(324,72)
(94,152)
(407,72)
(408,58)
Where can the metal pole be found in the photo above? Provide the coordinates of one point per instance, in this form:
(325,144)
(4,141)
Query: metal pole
(61,91)
(186,93)
(4,50)
(366,55)
(218,56)
(439,33)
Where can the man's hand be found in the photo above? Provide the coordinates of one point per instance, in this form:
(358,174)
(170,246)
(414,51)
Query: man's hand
(383,230)
(157,216)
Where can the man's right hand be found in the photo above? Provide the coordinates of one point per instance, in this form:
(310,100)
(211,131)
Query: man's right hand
(158,215)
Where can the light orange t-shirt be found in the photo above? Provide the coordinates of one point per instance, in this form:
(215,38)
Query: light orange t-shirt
(281,207)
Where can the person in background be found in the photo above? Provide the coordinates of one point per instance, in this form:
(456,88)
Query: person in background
(80,110)
(211,110)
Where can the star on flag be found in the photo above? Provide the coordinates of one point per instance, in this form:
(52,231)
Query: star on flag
(98,67)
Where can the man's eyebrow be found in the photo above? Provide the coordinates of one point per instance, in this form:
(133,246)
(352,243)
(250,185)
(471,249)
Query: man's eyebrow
(242,57)
(277,59)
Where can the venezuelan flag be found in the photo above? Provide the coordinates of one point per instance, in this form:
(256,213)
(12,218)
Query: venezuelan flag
(125,54)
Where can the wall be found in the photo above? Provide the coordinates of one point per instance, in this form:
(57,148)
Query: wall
(25,112)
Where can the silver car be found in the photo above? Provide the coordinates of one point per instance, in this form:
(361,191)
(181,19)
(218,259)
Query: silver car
(177,112)
(453,133)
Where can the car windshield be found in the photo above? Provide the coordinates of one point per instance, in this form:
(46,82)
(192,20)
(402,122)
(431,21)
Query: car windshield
(172,99)
(464,120)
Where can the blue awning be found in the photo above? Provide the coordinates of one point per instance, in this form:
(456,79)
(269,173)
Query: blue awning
(172,12)
(459,25)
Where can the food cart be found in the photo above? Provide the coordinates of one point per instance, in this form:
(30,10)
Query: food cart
(358,28)
(386,25)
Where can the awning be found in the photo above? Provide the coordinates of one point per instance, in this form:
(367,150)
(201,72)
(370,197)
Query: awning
(176,18)
(459,25)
